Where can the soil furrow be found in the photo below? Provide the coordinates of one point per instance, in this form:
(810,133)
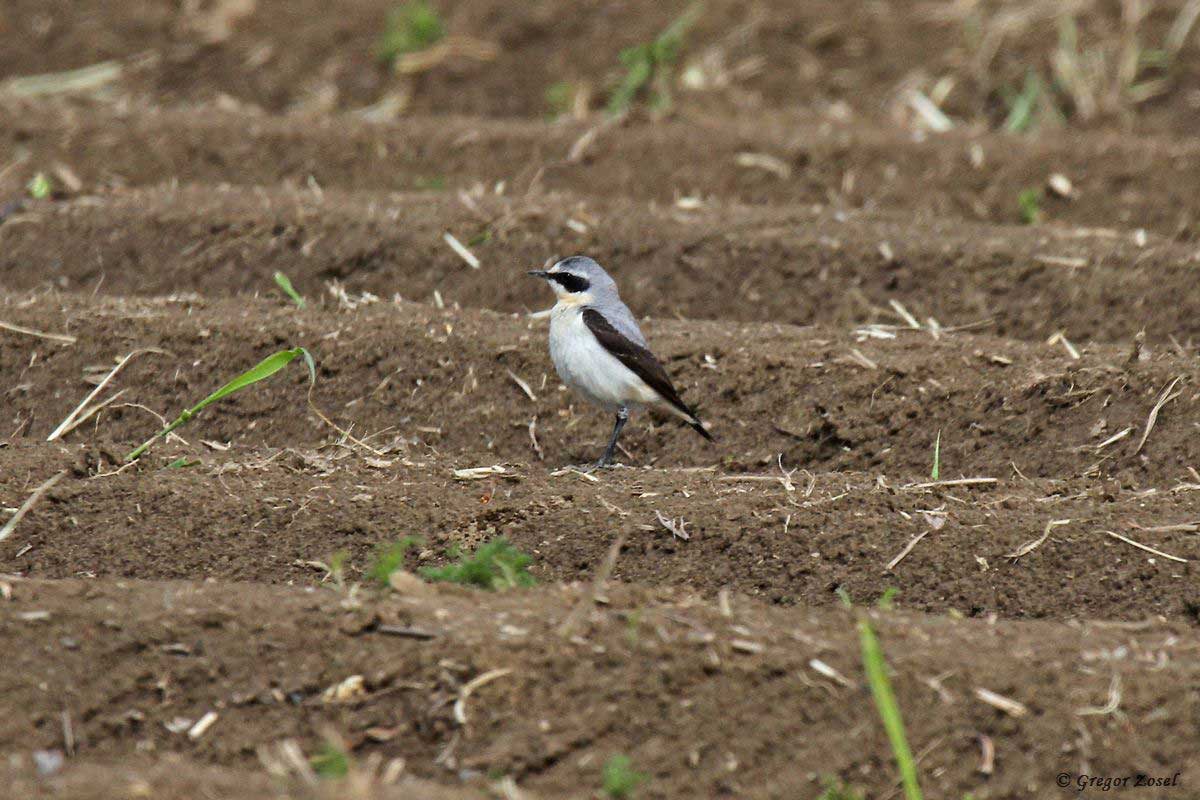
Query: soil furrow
(825,399)
(1118,182)
(725,261)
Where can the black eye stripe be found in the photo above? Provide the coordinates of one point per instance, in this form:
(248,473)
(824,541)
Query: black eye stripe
(572,283)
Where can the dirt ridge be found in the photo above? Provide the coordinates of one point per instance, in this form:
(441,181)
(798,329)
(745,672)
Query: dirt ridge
(846,167)
(523,724)
(785,263)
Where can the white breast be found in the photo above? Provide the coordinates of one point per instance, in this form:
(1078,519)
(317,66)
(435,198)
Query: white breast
(589,369)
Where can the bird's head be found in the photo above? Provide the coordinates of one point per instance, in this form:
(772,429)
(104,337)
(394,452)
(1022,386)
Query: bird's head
(577,279)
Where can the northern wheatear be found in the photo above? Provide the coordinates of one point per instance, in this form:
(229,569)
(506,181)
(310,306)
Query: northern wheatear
(599,351)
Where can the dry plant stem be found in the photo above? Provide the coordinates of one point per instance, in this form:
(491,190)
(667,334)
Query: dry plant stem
(954,482)
(589,596)
(908,548)
(1147,548)
(91,412)
(461,250)
(537,448)
(1163,399)
(11,525)
(67,423)
(1110,707)
(321,415)
(1180,527)
(524,385)
(999,701)
(1029,547)
(450,47)
(460,705)
(987,754)
(54,337)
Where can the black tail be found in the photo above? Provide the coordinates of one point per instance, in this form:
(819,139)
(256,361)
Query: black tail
(699,428)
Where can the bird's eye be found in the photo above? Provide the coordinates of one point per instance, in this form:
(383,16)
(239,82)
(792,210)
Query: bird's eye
(572,283)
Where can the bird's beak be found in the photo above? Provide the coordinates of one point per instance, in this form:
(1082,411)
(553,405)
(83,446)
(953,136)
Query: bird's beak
(538,273)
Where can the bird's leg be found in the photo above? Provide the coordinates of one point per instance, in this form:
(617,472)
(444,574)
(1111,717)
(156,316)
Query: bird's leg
(622,418)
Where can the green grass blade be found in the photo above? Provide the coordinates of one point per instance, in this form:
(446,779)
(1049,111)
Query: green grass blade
(261,371)
(389,558)
(1024,106)
(640,69)
(936,472)
(1029,201)
(889,709)
(411,27)
(285,283)
(669,43)
(652,61)
(496,566)
(312,367)
(331,762)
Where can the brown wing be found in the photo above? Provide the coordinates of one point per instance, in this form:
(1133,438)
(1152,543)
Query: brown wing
(641,362)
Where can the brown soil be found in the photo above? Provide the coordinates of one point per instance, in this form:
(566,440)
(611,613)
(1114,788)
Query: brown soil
(784,263)
(650,672)
(135,598)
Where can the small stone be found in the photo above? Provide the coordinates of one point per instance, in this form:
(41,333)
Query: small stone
(380,734)
(405,582)
(178,725)
(1060,185)
(48,762)
(346,691)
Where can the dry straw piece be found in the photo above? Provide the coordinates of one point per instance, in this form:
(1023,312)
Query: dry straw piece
(1030,546)
(70,421)
(11,525)
(54,337)
(1163,399)
(1002,703)
(1147,548)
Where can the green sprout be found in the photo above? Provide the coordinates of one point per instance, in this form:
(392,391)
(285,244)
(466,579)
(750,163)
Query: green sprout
(336,569)
(264,369)
(1029,202)
(650,64)
(936,472)
(836,790)
(889,709)
(1023,106)
(559,97)
(285,283)
(389,558)
(331,762)
(620,779)
(633,625)
(411,27)
(887,600)
(434,184)
(40,187)
(496,566)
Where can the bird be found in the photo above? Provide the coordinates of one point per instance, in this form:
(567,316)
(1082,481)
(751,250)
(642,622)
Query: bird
(600,353)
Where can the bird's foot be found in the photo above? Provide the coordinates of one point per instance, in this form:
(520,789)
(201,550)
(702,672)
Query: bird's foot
(588,469)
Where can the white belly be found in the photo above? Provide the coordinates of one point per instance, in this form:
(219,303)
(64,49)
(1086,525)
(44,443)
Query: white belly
(588,368)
